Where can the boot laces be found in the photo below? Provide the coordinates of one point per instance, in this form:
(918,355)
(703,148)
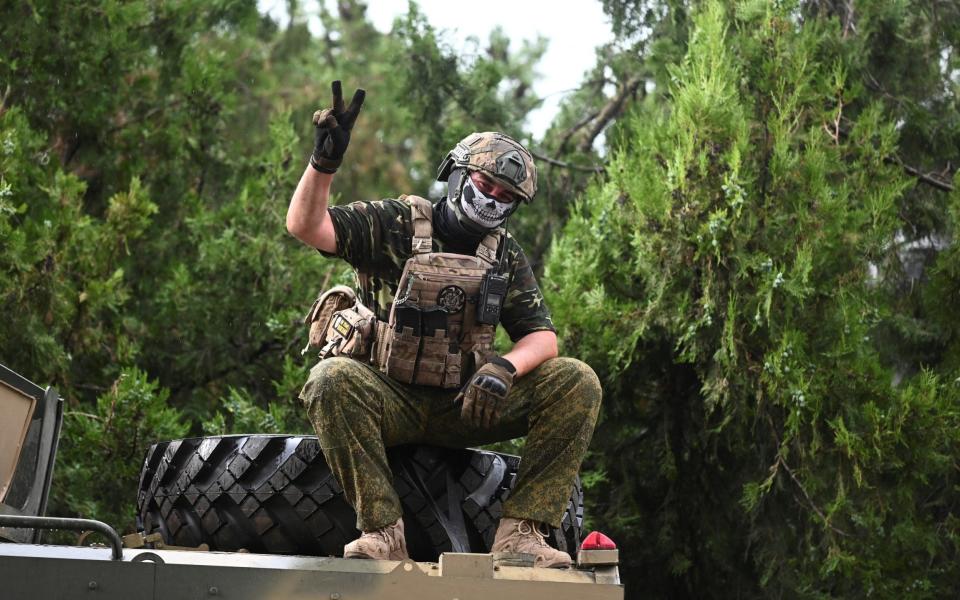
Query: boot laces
(383,534)
(526,528)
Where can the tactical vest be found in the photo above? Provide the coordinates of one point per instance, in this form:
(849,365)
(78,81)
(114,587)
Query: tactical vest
(432,337)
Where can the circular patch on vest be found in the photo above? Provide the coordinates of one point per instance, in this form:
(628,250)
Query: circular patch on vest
(452,298)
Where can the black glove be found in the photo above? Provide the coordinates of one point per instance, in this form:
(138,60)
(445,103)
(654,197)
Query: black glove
(333,130)
(484,395)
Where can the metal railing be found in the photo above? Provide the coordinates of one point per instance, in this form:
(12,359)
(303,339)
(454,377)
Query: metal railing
(28,522)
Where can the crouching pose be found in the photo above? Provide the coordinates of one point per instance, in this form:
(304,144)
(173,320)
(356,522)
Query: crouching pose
(415,361)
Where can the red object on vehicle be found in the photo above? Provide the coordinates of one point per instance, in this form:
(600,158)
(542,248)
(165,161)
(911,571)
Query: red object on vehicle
(597,541)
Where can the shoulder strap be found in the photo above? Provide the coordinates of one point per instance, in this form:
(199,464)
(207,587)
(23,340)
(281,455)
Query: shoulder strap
(421,210)
(487,250)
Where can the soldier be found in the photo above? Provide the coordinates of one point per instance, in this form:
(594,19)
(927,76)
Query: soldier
(439,279)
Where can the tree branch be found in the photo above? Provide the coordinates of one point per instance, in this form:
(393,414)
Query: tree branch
(810,501)
(3,100)
(780,462)
(922,177)
(70,413)
(565,165)
(895,159)
(121,123)
(610,111)
(565,138)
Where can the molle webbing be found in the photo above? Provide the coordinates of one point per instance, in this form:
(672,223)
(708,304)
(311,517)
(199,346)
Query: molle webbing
(487,250)
(433,329)
(422,212)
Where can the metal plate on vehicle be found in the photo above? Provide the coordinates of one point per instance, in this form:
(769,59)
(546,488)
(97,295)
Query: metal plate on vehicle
(16,410)
(34,571)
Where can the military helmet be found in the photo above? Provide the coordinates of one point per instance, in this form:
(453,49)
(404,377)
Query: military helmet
(497,155)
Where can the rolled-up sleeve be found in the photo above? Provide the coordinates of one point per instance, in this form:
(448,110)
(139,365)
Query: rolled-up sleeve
(524,309)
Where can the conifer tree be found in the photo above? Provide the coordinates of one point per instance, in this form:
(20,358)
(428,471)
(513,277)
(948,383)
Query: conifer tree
(148,151)
(730,282)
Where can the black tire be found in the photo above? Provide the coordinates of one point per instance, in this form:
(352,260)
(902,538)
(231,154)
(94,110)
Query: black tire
(487,482)
(275,494)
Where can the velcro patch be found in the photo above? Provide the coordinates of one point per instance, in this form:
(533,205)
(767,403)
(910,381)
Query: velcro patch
(342,326)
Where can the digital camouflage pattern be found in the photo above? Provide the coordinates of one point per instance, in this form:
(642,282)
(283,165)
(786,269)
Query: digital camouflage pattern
(498,155)
(376,237)
(358,411)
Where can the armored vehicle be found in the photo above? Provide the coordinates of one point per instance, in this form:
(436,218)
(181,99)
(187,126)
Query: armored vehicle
(260,517)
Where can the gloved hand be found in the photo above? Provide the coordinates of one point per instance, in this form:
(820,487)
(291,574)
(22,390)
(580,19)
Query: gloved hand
(484,395)
(333,130)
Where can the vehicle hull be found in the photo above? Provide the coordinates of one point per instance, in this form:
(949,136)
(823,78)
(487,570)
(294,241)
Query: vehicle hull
(31,571)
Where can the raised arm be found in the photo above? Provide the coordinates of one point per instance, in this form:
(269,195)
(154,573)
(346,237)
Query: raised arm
(308,218)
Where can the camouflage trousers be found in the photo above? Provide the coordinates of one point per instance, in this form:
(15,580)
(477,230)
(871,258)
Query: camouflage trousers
(359,411)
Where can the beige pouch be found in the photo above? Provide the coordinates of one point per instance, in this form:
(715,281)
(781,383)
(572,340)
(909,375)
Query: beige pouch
(320,316)
(350,333)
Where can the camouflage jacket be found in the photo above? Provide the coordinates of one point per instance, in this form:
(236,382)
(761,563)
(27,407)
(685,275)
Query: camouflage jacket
(375,239)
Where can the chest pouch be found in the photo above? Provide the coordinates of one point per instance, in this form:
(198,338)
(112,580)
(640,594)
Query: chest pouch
(420,349)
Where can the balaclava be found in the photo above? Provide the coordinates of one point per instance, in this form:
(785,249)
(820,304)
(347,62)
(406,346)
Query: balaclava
(467,214)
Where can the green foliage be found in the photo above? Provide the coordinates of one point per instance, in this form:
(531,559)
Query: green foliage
(766,292)
(101,452)
(945,285)
(451,95)
(729,283)
(66,279)
(242,414)
(148,152)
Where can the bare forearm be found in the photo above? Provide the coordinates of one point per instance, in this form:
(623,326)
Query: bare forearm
(307,216)
(531,350)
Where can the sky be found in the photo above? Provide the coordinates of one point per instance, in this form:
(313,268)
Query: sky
(573,30)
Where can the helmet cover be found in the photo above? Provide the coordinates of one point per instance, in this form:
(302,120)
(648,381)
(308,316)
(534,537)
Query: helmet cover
(496,155)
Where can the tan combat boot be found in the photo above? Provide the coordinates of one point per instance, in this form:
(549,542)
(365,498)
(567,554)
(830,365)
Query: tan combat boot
(520,536)
(386,543)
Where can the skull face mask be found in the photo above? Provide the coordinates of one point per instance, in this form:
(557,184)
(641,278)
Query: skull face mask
(484,211)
